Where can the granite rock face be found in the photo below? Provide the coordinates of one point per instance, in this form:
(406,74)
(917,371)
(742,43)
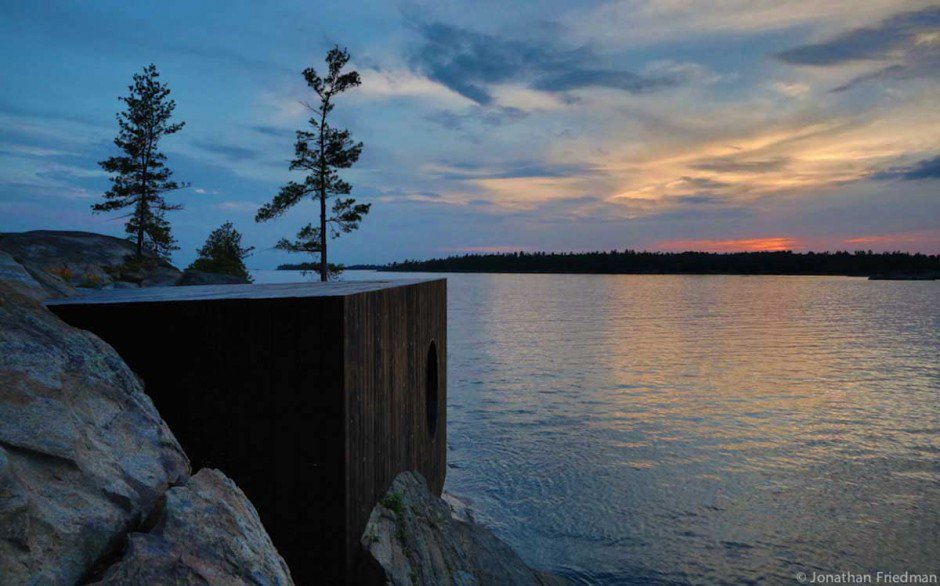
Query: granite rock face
(84,455)
(93,485)
(31,281)
(85,258)
(414,538)
(206,532)
(18,279)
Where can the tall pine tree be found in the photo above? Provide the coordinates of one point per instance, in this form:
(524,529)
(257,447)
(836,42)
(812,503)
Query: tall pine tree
(140,177)
(321,152)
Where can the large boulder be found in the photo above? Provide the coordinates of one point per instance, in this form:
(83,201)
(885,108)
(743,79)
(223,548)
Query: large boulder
(414,538)
(207,532)
(86,259)
(84,455)
(93,485)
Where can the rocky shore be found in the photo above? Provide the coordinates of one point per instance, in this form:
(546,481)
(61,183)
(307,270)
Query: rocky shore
(89,260)
(95,488)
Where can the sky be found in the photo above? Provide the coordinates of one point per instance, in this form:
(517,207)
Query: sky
(499,126)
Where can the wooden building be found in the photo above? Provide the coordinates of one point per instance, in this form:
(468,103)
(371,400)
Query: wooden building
(311,397)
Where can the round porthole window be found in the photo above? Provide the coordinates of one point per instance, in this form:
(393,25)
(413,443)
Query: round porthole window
(430,386)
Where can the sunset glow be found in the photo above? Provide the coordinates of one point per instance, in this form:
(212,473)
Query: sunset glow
(606,125)
(743,245)
(926,240)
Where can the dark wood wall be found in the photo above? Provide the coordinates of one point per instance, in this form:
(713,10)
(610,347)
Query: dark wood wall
(388,333)
(253,388)
(311,405)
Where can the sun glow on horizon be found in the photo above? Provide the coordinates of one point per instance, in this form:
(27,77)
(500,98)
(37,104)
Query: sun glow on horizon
(770,244)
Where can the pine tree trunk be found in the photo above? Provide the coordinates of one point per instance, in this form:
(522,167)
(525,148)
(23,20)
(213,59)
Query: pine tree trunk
(142,204)
(324,266)
(140,230)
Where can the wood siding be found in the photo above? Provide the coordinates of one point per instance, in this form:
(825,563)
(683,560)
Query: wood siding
(310,404)
(388,334)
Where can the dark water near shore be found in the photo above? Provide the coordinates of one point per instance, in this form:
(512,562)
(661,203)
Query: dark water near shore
(697,429)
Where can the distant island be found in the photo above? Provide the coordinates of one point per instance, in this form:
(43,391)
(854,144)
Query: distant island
(886,265)
(312,266)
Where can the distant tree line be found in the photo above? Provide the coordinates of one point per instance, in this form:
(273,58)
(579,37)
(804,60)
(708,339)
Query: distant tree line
(858,263)
(315,267)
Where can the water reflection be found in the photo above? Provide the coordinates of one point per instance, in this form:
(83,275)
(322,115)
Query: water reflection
(677,429)
(703,429)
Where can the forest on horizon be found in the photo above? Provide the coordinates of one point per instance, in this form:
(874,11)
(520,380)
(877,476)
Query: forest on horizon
(858,263)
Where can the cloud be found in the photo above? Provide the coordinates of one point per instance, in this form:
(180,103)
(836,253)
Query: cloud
(51,179)
(926,239)
(96,26)
(491,116)
(699,199)
(796,156)
(794,90)
(637,22)
(465,171)
(926,169)
(272,130)
(231,152)
(606,78)
(426,197)
(394,83)
(471,63)
(238,206)
(897,34)
(704,182)
(908,42)
(741,164)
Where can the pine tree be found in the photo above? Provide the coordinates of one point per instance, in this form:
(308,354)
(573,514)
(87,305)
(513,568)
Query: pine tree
(140,176)
(223,253)
(321,152)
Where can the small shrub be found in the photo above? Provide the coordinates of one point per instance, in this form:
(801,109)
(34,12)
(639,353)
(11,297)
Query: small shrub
(91,281)
(63,273)
(223,253)
(394,502)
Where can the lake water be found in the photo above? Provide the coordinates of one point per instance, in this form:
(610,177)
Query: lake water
(697,429)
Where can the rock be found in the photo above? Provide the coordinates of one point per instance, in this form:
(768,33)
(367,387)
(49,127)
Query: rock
(458,509)
(84,455)
(18,279)
(207,532)
(124,285)
(160,276)
(32,281)
(54,286)
(85,259)
(191,277)
(414,538)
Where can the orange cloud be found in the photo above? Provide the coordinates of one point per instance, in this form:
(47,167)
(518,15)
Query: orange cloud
(741,245)
(924,241)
